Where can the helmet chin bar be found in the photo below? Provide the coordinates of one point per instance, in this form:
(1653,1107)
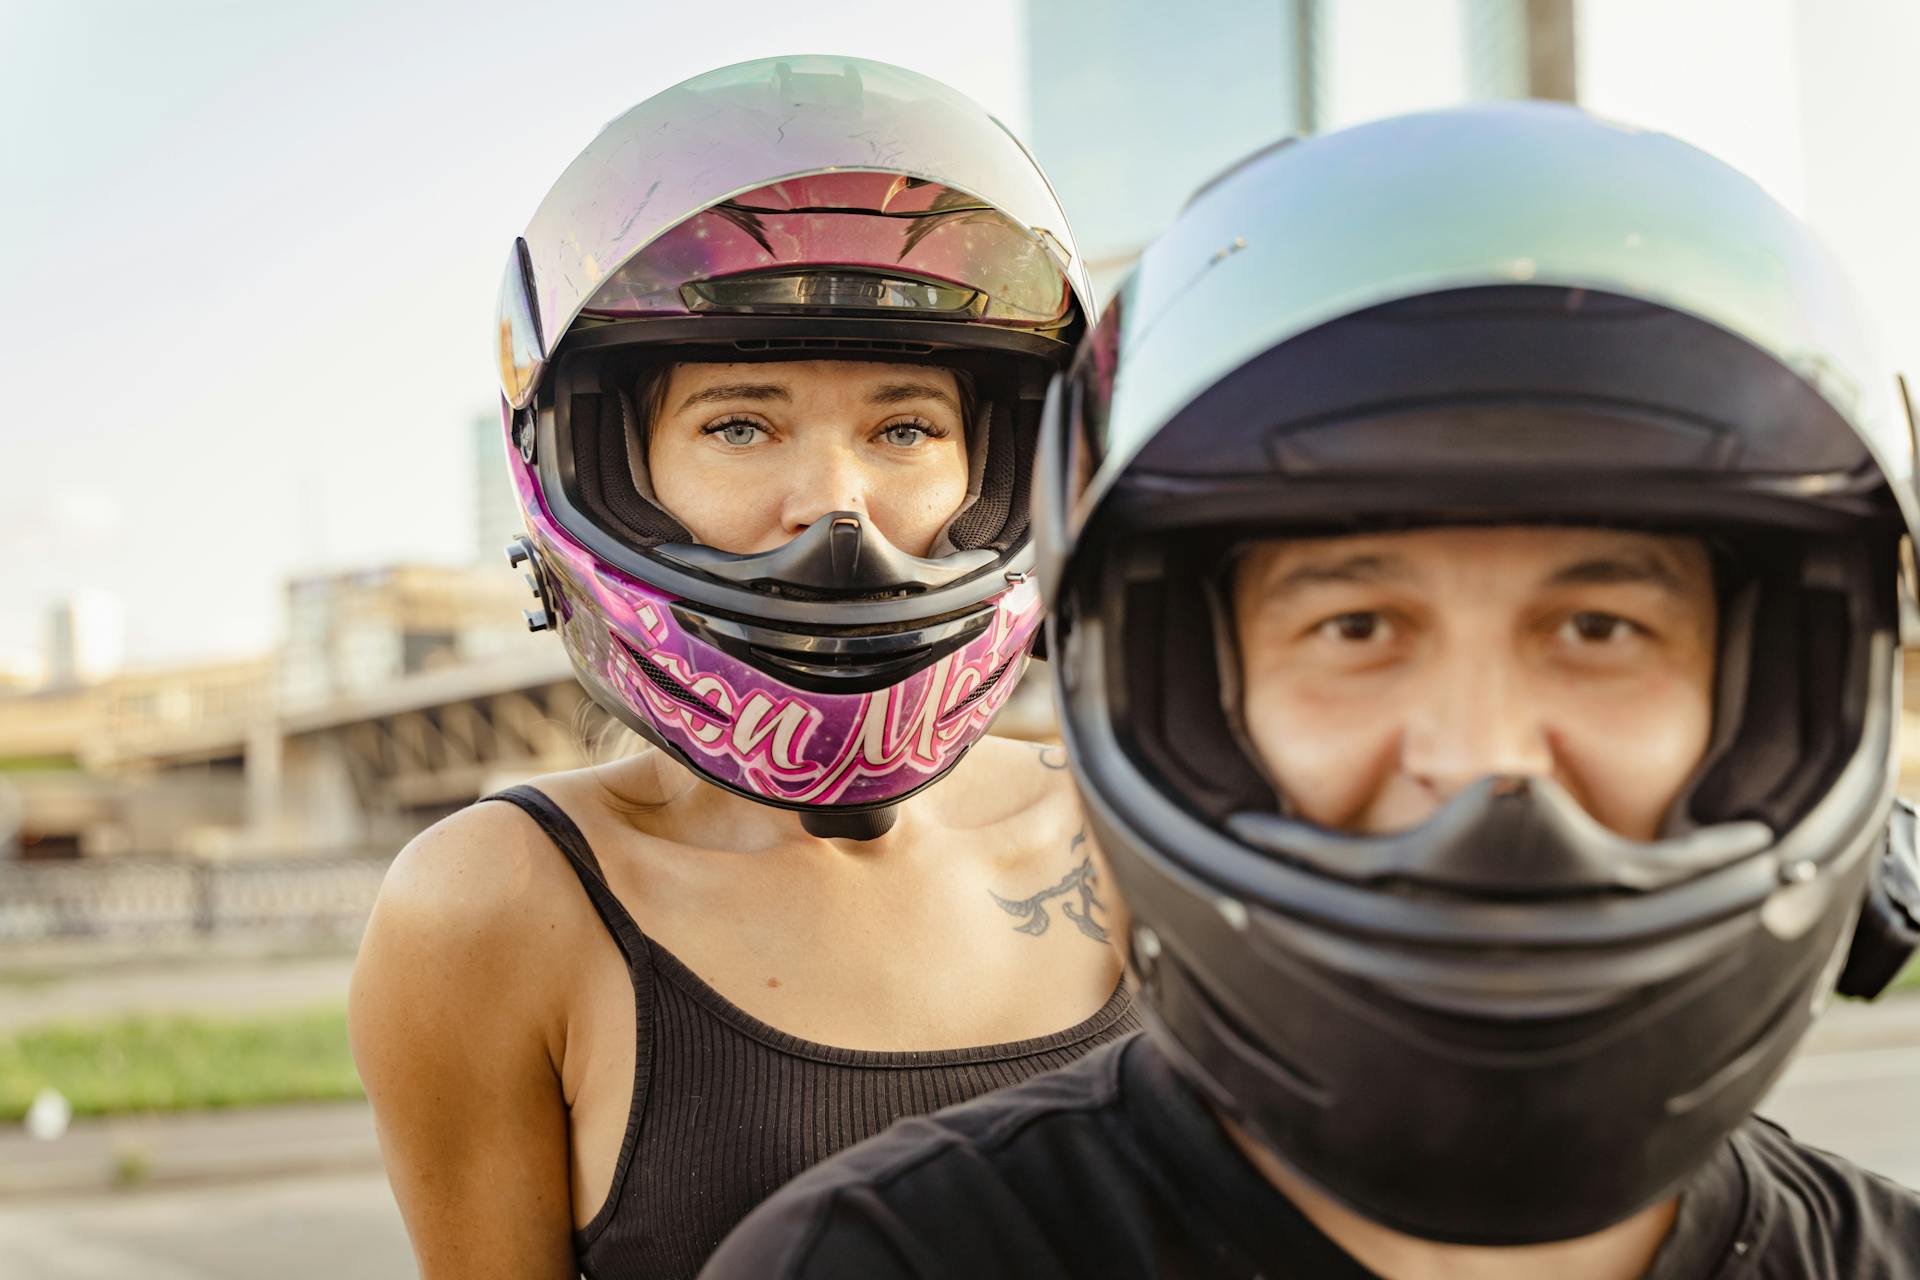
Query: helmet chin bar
(840,553)
(1506,837)
(1505,1026)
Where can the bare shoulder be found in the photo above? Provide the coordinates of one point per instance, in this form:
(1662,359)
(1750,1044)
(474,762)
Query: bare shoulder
(466,919)
(485,872)
(458,1019)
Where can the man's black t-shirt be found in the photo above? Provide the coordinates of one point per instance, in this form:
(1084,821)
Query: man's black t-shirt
(1113,1168)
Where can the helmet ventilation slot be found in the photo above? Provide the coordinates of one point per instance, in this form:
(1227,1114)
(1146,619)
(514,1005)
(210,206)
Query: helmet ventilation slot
(658,677)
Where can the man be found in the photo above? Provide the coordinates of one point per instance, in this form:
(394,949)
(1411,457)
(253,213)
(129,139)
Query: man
(1475,542)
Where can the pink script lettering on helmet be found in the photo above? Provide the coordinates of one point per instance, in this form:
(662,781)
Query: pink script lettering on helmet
(778,742)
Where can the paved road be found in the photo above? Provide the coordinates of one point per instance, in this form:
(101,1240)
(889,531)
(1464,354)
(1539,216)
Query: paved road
(308,1228)
(1859,1103)
(1851,1092)
(1853,1096)
(194,983)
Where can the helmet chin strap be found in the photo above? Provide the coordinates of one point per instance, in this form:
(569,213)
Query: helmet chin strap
(870,825)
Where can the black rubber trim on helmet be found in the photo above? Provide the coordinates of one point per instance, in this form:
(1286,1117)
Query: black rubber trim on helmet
(841,553)
(822,660)
(775,337)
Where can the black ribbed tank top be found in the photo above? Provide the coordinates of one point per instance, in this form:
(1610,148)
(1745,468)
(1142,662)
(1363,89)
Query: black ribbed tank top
(726,1108)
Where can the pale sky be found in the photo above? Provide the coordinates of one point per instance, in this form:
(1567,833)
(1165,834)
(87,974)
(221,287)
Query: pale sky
(250,259)
(251,249)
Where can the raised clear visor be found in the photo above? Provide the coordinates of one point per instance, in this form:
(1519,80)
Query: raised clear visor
(1316,230)
(967,257)
(720,136)
(519,338)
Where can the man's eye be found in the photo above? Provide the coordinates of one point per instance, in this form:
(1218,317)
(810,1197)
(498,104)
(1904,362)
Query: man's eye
(1591,627)
(1354,628)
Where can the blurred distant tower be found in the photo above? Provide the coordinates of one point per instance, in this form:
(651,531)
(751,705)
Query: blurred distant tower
(1136,102)
(84,639)
(496,517)
(63,657)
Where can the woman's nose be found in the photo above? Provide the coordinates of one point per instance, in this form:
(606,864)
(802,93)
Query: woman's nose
(820,480)
(1471,718)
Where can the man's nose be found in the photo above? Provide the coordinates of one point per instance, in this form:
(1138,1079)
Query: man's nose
(1472,718)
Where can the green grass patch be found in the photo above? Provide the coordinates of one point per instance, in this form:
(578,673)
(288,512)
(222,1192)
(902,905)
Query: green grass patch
(1909,979)
(39,764)
(180,1063)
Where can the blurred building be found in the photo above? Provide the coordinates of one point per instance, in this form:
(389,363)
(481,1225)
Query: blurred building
(166,708)
(496,515)
(348,634)
(77,771)
(1135,104)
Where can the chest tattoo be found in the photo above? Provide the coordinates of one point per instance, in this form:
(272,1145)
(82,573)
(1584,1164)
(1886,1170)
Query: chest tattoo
(1077,888)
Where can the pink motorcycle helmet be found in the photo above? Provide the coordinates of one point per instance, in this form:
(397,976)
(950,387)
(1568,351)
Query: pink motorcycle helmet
(799,208)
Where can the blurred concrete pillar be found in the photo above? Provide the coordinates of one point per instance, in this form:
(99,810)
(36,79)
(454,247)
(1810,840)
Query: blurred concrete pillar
(1520,49)
(265,772)
(1134,103)
(1305,35)
(1550,51)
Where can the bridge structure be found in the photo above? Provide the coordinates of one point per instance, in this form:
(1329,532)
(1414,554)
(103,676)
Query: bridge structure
(368,771)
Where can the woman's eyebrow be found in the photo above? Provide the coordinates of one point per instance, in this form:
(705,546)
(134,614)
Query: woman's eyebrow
(736,391)
(897,392)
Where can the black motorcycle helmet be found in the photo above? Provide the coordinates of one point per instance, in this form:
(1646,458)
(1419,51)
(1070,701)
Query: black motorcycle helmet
(1508,1024)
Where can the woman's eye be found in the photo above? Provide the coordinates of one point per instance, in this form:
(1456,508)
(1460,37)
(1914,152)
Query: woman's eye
(906,434)
(1590,627)
(739,434)
(1354,628)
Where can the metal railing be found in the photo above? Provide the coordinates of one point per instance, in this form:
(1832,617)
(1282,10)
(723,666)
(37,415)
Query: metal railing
(155,898)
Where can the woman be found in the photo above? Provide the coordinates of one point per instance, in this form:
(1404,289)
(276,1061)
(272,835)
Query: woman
(772,352)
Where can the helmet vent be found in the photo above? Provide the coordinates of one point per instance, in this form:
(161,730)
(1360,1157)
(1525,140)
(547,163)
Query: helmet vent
(834,344)
(657,676)
(980,691)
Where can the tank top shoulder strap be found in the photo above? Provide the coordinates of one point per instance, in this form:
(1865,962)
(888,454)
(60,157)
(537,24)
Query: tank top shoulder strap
(567,837)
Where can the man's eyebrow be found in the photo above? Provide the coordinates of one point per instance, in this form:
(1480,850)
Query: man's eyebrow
(1629,570)
(735,391)
(1360,569)
(900,392)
